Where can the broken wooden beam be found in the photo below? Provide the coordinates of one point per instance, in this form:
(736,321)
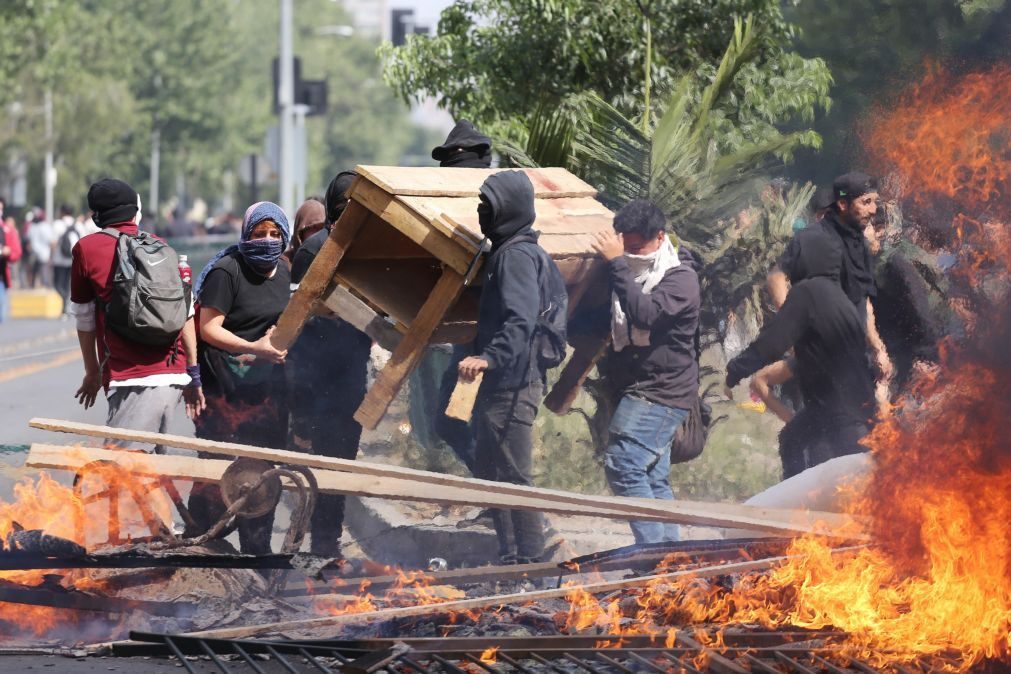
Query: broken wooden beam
(683,512)
(496,601)
(57,596)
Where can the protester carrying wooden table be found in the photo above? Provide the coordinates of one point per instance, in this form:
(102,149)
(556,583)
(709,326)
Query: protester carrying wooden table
(241,293)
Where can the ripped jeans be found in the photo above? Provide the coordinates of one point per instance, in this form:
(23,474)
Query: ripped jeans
(637,458)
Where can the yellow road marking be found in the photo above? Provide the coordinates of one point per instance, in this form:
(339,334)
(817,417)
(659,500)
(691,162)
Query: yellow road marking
(32,368)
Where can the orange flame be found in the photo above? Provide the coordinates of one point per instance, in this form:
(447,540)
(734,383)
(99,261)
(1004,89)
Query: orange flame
(490,655)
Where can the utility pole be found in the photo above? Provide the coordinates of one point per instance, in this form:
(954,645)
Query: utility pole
(286,102)
(152,205)
(50,172)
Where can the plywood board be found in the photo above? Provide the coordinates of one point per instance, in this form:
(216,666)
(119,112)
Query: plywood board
(466,182)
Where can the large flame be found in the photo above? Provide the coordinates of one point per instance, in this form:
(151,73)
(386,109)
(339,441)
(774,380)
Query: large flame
(937,577)
(57,510)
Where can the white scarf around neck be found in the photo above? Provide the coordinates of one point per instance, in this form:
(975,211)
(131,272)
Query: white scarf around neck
(648,270)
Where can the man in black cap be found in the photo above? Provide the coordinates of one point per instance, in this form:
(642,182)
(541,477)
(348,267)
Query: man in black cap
(821,323)
(433,381)
(148,385)
(328,366)
(856,199)
(517,275)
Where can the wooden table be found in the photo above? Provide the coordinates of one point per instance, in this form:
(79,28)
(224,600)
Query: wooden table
(402,265)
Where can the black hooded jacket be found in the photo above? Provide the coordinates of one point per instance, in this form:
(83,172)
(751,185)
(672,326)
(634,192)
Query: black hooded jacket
(856,270)
(822,325)
(510,296)
(465,147)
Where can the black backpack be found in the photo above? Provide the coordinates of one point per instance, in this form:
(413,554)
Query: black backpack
(67,241)
(149,302)
(550,338)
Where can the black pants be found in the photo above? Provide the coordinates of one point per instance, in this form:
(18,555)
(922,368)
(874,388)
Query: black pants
(814,436)
(323,413)
(61,283)
(254,415)
(504,452)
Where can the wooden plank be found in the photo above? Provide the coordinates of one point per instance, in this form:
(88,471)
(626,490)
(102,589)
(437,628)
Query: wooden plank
(559,400)
(58,457)
(351,309)
(685,512)
(554,216)
(496,601)
(457,253)
(461,403)
(551,182)
(319,275)
(410,349)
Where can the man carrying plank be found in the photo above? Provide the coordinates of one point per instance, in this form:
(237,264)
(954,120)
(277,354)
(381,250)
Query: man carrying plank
(523,291)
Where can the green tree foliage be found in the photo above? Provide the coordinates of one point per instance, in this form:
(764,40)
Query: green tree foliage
(497,61)
(199,71)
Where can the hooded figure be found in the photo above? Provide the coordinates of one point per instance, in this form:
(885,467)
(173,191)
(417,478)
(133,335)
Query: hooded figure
(515,279)
(827,334)
(309,219)
(327,369)
(465,147)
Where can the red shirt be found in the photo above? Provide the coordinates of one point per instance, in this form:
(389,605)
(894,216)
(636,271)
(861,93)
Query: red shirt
(9,237)
(94,265)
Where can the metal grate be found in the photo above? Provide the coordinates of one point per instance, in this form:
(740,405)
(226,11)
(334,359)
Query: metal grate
(744,652)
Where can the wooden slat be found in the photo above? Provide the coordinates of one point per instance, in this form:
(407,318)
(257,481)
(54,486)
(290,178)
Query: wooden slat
(687,512)
(319,276)
(461,403)
(58,457)
(410,349)
(457,252)
(352,310)
(466,182)
(492,601)
(559,400)
(555,216)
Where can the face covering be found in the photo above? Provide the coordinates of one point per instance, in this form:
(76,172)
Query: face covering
(261,254)
(485,216)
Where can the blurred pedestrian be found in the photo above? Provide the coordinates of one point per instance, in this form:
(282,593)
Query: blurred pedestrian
(41,239)
(10,253)
(242,292)
(67,232)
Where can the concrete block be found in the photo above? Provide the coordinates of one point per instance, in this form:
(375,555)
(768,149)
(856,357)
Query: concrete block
(35,303)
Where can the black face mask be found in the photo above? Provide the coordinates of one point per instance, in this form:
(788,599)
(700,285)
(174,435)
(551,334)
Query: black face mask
(485,216)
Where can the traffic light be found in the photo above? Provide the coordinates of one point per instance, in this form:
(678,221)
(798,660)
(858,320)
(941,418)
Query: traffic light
(311,93)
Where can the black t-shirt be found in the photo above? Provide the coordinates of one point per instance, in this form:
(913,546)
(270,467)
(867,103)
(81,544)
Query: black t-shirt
(251,303)
(306,253)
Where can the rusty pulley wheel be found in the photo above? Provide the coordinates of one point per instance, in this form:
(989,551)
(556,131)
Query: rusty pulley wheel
(246,476)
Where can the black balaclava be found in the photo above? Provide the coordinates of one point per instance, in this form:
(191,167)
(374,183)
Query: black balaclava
(113,201)
(819,256)
(336,198)
(465,147)
(507,206)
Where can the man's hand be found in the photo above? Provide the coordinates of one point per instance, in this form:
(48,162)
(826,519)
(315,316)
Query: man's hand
(88,392)
(195,401)
(608,245)
(471,366)
(728,392)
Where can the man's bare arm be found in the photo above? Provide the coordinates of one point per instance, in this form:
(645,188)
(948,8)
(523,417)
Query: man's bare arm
(778,286)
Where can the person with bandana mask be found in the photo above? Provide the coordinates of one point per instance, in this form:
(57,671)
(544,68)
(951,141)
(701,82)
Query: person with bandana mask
(148,386)
(242,292)
(517,275)
(652,362)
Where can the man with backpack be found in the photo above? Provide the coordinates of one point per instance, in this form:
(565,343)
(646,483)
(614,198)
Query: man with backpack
(653,360)
(520,334)
(134,318)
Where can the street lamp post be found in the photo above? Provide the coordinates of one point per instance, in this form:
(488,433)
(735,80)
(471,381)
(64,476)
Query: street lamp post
(286,102)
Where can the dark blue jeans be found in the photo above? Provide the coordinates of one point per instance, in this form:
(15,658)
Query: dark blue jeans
(637,458)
